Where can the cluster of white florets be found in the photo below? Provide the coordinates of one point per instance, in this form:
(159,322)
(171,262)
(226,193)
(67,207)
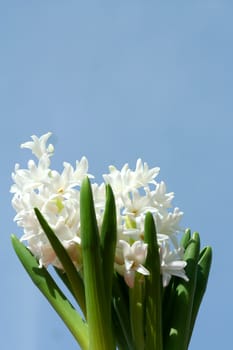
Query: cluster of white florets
(57,196)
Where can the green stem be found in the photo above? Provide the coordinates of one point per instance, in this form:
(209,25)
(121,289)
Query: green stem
(136,297)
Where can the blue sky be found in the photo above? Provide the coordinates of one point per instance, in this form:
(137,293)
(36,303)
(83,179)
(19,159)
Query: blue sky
(115,81)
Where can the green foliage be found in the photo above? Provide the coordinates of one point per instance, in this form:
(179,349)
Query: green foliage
(146,316)
(43,280)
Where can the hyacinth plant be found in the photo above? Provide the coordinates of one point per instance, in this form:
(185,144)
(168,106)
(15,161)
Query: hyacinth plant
(136,276)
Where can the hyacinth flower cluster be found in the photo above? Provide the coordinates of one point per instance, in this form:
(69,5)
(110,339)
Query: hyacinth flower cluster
(137,276)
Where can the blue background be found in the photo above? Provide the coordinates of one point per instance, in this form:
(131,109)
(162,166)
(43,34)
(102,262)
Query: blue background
(118,80)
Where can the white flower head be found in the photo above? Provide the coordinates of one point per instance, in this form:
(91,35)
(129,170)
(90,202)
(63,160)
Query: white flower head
(119,180)
(160,197)
(172,263)
(126,180)
(131,259)
(38,145)
(143,176)
(57,196)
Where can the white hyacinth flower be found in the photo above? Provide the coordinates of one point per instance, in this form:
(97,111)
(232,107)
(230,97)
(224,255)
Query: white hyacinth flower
(131,259)
(38,145)
(171,263)
(57,196)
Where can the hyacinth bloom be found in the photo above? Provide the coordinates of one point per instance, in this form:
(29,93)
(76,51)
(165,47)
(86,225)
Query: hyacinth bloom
(116,245)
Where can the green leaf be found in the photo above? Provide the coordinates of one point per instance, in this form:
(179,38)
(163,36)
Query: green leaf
(203,269)
(167,306)
(63,276)
(75,280)
(108,244)
(185,238)
(52,292)
(121,340)
(99,319)
(153,297)
(183,300)
(121,310)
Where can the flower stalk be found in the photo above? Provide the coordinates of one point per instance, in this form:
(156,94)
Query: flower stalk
(137,312)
